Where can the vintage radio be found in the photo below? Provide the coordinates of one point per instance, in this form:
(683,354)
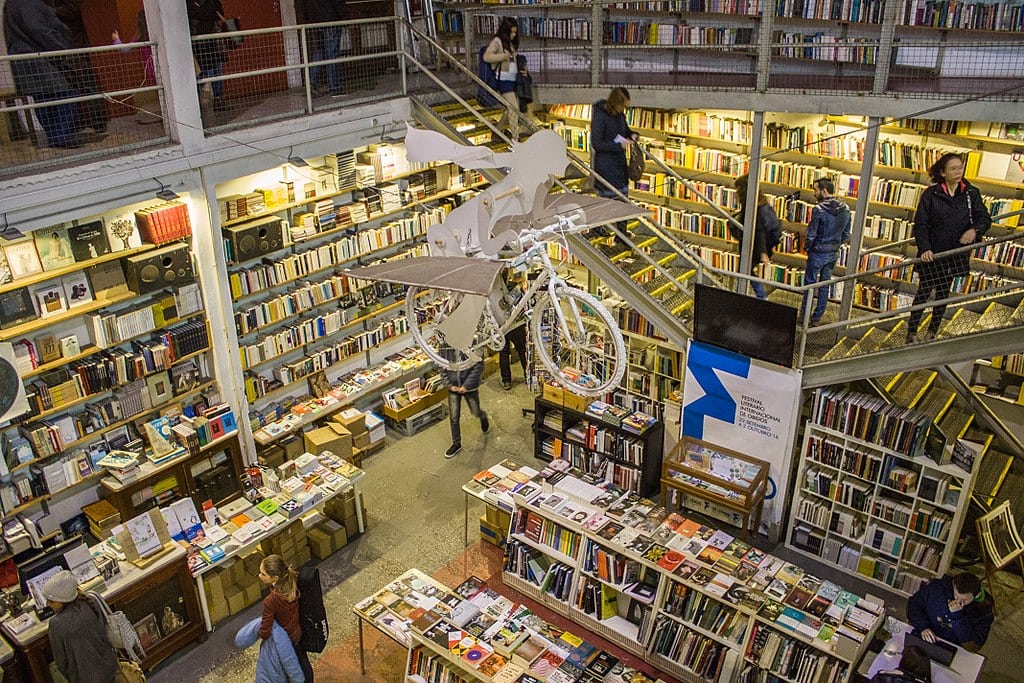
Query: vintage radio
(166,267)
(249,240)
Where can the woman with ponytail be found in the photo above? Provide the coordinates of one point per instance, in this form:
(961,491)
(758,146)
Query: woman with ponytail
(282,605)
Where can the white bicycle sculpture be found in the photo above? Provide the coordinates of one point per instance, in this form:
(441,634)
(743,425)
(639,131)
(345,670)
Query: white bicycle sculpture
(575,336)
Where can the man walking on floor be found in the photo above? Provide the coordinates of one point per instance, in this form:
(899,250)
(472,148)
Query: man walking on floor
(464,384)
(828,230)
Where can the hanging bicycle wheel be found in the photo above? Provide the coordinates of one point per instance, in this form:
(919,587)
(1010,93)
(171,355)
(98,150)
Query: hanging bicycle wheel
(446,326)
(578,341)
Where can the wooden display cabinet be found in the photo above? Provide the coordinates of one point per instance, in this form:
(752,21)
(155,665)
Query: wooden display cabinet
(717,475)
(183,476)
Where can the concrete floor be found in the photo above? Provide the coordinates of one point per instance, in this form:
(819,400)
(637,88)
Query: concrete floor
(415,512)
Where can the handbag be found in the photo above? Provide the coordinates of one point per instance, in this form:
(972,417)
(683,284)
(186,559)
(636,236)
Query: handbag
(636,165)
(129,672)
(120,632)
(524,81)
(489,75)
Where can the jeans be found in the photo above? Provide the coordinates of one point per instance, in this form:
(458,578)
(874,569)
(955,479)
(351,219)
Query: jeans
(455,410)
(514,337)
(326,44)
(60,121)
(936,277)
(215,70)
(758,288)
(819,269)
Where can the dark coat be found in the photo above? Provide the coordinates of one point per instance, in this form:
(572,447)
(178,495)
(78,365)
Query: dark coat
(469,379)
(829,226)
(929,608)
(80,647)
(765,218)
(319,11)
(204,19)
(32,26)
(609,157)
(941,219)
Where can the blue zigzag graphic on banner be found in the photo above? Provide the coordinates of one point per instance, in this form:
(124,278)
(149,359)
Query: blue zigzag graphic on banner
(702,362)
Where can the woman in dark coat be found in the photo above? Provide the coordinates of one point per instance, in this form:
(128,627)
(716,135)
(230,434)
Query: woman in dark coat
(610,137)
(78,636)
(950,214)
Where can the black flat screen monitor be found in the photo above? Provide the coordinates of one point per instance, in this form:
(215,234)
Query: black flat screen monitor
(753,327)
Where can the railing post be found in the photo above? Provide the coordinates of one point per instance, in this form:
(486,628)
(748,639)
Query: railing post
(860,214)
(403,48)
(304,52)
(749,217)
(169,28)
(596,43)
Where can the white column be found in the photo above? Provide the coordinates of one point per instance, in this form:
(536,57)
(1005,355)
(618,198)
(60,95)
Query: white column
(168,27)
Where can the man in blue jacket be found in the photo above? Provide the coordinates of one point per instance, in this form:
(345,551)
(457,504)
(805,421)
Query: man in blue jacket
(828,230)
(954,608)
(464,384)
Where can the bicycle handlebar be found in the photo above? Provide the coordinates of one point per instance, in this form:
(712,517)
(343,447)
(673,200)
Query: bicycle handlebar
(563,225)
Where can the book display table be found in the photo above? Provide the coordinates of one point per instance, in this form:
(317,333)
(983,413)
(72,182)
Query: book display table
(143,595)
(411,418)
(493,487)
(233,548)
(965,668)
(725,478)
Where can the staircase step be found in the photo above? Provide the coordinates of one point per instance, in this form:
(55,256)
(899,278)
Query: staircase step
(956,421)
(677,303)
(997,315)
(1018,314)
(897,336)
(840,350)
(936,402)
(991,472)
(961,323)
(887,381)
(871,341)
(912,387)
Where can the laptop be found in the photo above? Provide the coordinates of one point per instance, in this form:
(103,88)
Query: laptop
(939,651)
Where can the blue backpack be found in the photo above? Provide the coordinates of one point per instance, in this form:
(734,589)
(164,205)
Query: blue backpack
(489,75)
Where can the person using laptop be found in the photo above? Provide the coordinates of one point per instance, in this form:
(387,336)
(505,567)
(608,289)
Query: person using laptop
(953,608)
(914,667)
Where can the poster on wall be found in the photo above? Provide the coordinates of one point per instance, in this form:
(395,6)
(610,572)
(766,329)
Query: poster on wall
(747,405)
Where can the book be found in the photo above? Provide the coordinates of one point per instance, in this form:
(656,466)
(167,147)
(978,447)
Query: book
(121,232)
(5,269)
(107,280)
(76,289)
(22,258)
(53,247)
(50,299)
(88,241)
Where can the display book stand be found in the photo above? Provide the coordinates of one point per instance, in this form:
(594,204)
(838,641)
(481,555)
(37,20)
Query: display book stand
(699,604)
(875,512)
(1000,541)
(716,476)
(597,441)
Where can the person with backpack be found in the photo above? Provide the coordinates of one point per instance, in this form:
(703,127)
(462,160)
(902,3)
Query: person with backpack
(500,54)
(78,634)
(282,606)
(828,230)
(767,231)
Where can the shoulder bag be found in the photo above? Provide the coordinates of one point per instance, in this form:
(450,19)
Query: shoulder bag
(635,168)
(120,633)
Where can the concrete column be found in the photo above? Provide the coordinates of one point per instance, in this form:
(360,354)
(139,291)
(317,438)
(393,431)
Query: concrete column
(168,27)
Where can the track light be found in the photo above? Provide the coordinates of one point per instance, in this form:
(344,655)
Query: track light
(165,193)
(297,162)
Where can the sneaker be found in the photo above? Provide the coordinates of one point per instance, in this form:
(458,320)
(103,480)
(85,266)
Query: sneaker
(912,337)
(931,335)
(485,424)
(506,384)
(817,323)
(453,450)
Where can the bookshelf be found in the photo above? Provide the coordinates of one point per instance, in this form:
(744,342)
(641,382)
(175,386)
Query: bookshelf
(599,445)
(1000,378)
(887,515)
(101,345)
(693,601)
(295,311)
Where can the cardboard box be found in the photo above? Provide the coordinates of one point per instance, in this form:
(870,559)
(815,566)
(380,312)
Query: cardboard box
(218,607)
(351,419)
(351,525)
(348,504)
(498,517)
(292,446)
(331,437)
(417,406)
(320,544)
(361,440)
(491,533)
(236,599)
(271,456)
(253,593)
(337,532)
(375,425)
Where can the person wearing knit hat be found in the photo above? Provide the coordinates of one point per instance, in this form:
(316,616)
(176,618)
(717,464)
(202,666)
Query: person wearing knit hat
(78,635)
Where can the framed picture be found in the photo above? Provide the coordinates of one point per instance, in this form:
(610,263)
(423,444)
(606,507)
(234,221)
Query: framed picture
(160,389)
(148,631)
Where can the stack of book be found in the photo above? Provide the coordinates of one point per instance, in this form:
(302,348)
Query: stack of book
(102,517)
(164,222)
(123,465)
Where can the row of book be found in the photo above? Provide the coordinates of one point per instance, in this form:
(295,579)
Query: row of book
(655,33)
(870,419)
(570,28)
(166,222)
(824,46)
(677,152)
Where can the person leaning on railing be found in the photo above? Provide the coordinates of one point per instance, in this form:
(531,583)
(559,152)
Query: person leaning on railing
(950,214)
